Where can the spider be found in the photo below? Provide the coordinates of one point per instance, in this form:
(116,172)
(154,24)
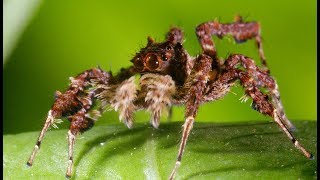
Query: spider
(167,75)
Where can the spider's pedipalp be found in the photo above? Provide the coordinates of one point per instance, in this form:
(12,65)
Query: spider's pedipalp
(123,100)
(158,90)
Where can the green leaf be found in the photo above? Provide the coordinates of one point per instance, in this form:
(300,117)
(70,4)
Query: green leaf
(226,151)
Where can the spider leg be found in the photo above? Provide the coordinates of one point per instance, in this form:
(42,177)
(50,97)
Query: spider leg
(79,124)
(48,123)
(241,31)
(194,87)
(70,103)
(262,105)
(175,35)
(71,142)
(252,79)
(278,104)
(263,80)
(218,88)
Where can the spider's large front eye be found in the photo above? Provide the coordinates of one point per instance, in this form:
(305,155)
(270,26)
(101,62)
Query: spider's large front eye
(152,62)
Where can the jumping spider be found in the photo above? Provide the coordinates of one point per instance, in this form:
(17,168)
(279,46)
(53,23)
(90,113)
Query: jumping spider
(170,76)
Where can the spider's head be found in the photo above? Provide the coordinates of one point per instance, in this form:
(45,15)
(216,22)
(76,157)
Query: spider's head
(156,57)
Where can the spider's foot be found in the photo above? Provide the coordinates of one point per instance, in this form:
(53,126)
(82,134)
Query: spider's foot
(29,164)
(311,157)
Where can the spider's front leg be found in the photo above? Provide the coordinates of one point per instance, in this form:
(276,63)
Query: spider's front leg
(194,88)
(75,104)
(253,79)
(241,31)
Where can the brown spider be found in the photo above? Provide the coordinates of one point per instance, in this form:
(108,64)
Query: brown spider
(170,76)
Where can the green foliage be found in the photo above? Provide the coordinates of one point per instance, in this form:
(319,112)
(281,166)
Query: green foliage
(220,151)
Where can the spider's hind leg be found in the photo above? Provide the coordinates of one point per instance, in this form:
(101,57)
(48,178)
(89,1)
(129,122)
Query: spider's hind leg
(253,79)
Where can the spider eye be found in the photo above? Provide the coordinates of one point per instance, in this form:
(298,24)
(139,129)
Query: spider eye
(152,62)
(138,64)
(168,48)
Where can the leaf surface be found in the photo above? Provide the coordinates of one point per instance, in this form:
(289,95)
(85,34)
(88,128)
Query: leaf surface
(221,151)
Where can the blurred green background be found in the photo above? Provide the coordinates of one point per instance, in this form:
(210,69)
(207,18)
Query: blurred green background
(64,38)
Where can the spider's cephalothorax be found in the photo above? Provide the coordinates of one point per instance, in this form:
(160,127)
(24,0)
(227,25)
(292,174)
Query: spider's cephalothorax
(170,76)
(164,58)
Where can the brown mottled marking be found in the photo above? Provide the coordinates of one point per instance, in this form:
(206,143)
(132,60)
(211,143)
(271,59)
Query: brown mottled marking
(241,31)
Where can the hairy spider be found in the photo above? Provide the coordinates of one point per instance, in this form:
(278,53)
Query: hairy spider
(170,76)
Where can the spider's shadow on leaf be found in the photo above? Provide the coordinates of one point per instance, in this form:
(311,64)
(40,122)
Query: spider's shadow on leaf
(247,168)
(109,152)
(260,140)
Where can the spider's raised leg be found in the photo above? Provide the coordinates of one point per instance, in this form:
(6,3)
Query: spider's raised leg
(194,86)
(241,31)
(175,35)
(253,79)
